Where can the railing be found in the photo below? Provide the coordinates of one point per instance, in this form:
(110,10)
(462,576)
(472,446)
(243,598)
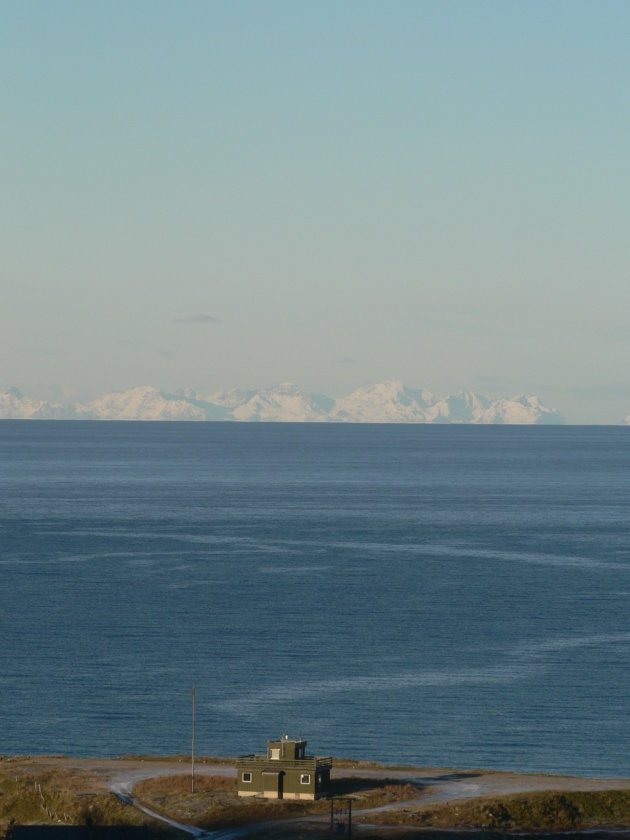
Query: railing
(305,763)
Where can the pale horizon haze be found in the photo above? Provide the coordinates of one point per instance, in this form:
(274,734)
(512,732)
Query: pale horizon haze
(237,194)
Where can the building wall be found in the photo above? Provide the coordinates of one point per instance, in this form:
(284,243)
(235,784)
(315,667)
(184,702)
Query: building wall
(291,779)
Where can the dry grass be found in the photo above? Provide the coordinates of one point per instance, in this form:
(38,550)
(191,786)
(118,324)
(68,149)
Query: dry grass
(216,804)
(41,790)
(360,764)
(58,795)
(545,811)
(182,758)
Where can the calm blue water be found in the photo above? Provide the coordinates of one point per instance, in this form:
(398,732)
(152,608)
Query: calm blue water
(434,595)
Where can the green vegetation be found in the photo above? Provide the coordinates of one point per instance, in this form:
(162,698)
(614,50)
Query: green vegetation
(544,811)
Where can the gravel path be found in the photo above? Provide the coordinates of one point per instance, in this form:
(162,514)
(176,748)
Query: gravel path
(120,775)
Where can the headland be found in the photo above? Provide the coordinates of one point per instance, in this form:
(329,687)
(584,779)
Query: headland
(157,792)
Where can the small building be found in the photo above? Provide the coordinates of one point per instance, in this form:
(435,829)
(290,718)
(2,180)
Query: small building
(286,772)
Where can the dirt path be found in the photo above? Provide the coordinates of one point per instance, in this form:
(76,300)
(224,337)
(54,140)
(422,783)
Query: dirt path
(435,786)
(449,785)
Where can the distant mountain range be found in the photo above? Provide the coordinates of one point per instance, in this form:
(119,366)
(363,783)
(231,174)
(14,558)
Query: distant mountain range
(386,402)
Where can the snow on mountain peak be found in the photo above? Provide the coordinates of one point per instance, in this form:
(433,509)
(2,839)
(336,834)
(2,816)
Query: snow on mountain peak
(15,406)
(285,402)
(142,403)
(385,402)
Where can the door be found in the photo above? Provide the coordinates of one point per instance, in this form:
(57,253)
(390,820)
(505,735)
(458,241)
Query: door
(272,784)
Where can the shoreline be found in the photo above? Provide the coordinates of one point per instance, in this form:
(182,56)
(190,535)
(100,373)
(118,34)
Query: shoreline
(340,762)
(387,799)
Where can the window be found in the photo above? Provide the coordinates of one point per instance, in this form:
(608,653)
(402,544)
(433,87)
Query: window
(305,778)
(247,777)
(275,754)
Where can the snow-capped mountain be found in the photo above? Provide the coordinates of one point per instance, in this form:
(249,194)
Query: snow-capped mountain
(386,402)
(467,407)
(284,403)
(520,409)
(393,402)
(147,403)
(230,399)
(15,406)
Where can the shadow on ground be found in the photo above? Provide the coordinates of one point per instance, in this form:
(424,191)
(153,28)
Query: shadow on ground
(453,777)
(354,785)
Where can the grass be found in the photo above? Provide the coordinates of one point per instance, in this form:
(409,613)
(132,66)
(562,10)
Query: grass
(181,758)
(361,764)
(43,791)
(61,796)
(545,811)
(216,804)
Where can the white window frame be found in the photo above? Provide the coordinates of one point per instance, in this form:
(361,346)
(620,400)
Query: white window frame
(245,780)
(305,779)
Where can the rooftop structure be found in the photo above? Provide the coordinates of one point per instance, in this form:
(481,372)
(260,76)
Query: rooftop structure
(285,772)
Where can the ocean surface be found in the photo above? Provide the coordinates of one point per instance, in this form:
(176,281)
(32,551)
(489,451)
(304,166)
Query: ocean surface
(435,595)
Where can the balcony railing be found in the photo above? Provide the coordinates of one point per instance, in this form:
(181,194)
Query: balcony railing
(305,763)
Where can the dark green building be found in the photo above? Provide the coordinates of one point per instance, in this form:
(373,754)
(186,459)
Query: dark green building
(286,772)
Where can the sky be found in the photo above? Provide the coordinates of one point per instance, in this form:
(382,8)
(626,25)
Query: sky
(237,194)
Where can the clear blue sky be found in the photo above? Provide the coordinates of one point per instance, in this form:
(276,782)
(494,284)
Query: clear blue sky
(437,192)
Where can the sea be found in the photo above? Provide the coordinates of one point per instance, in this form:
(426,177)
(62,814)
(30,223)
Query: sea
(446,596)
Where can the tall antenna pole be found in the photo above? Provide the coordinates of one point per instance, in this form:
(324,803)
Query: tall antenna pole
(192,749)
